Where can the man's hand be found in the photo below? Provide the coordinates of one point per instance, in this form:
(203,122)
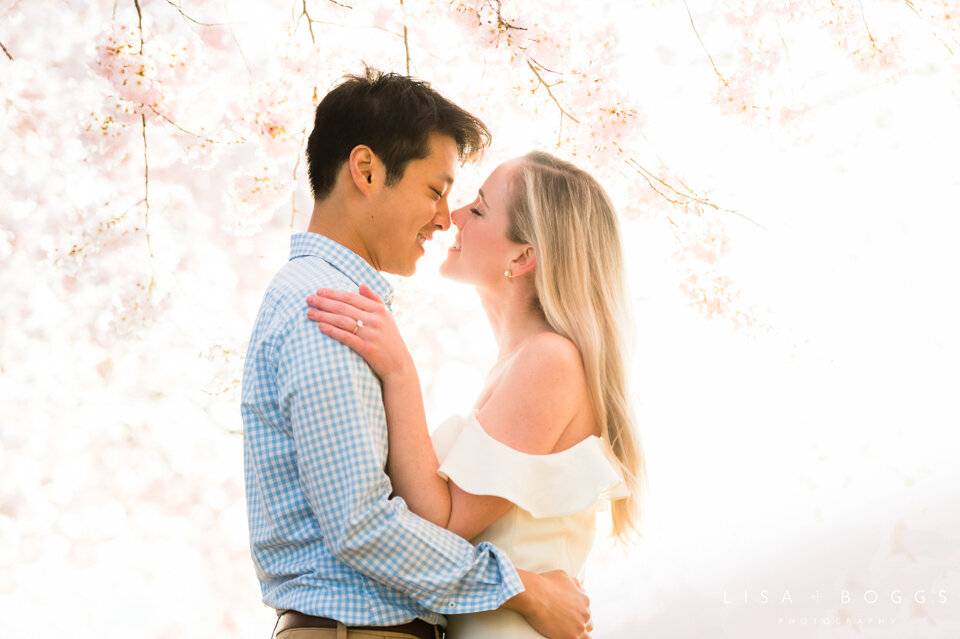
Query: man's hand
(554,604)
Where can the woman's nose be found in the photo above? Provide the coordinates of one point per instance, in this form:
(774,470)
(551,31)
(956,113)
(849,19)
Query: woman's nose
(457,217)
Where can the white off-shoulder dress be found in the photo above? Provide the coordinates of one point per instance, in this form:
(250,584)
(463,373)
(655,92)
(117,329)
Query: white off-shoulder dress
(552,522)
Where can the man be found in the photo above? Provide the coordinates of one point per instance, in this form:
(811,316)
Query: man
(332,550)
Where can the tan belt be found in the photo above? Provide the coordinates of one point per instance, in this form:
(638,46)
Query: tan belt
(417,628)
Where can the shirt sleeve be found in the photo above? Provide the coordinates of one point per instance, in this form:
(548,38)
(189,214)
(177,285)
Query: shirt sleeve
(334,405)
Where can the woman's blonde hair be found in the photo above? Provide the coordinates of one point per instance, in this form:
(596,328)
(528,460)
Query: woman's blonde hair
(564,213)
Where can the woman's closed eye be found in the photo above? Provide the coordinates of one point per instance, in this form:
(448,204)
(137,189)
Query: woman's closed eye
(476,212)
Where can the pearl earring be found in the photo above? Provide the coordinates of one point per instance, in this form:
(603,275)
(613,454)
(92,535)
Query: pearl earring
(508,273)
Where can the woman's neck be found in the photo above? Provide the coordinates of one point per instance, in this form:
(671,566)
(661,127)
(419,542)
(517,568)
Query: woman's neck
(512,314)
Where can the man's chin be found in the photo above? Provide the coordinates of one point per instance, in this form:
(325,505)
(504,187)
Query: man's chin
(405,270)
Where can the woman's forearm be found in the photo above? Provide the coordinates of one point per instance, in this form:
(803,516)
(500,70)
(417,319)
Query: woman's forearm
(411,461)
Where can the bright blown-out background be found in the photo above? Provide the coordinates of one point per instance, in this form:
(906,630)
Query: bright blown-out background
(788,182)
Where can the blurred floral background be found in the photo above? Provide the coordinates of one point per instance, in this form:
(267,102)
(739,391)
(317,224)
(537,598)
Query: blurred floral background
(788,180)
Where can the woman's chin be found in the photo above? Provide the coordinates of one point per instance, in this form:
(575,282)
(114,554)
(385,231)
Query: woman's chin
(447,271)
(446,268)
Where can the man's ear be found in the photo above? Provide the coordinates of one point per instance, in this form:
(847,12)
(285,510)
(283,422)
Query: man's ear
(525,262)
(363,168)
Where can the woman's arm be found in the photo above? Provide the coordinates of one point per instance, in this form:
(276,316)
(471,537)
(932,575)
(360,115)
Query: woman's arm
(531,406)
(411,461)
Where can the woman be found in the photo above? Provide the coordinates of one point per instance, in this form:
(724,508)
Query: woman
(551,433)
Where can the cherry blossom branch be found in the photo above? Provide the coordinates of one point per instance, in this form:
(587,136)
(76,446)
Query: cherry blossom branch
(786,52)
(366,26)
(866,26)
(310,21)
(233,35)
(161,115)
(542,82)
(11,57)
(502,25)
(909,3)
(646,174)
(293,196)
(690,197)
(549,92)
(136,3)
(146,162)
(406,42)
(719,75)
(196,135)
(146,181)
(873,41)
(194,20)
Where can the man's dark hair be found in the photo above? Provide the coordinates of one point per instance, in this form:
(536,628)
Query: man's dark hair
(392,114)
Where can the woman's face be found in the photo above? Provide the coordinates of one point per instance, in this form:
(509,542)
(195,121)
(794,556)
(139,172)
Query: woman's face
(481,251)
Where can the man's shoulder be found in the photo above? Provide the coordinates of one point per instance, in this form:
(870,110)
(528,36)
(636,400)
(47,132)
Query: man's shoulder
(284,311)
(302,276)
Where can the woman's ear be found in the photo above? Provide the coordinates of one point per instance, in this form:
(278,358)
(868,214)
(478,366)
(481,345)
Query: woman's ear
(524,263)
(363,167)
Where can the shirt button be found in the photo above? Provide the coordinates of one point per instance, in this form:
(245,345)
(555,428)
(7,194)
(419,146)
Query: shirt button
(451,605)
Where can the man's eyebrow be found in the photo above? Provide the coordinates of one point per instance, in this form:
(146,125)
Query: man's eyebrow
(446,177)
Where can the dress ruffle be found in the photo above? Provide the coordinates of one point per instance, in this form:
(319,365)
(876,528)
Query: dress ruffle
(552,485)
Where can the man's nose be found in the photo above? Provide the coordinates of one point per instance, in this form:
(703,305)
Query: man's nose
(442,218)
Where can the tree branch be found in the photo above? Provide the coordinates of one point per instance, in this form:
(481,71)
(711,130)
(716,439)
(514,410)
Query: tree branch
(5,51)
(136,3)
(644,173)
(293,196)
(309,21)
(146,181)
(786,51)
(866,26)
(406,42)
(143,131)
(233,34)
(193,20)
(909,3)
(502,25)
(719,75)
(196,135)
(550,93)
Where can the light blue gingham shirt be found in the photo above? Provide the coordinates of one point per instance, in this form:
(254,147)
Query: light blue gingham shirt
(325,535)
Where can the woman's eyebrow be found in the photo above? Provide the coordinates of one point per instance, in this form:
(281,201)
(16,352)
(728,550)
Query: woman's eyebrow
(482,199)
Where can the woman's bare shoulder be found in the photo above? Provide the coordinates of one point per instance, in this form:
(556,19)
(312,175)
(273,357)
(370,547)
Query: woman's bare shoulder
(537,396)
(550,354)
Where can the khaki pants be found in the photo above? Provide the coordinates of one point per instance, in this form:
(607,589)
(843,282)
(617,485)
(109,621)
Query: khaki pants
(340,632)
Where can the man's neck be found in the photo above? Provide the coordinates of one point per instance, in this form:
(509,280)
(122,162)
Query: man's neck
(329,219)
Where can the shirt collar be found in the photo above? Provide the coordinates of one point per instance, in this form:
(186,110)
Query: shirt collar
(342,259)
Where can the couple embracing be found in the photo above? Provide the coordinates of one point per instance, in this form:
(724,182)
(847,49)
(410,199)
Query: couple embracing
(365,525)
